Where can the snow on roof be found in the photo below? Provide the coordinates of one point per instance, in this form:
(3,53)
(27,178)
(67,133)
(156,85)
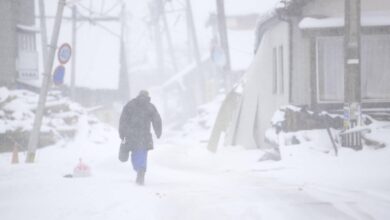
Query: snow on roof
(28,28)
(367,20)
(234,7)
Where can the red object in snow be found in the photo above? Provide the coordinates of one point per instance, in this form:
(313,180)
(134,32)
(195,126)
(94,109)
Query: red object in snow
(81,170)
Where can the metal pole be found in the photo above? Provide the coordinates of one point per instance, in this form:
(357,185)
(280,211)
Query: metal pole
(223,32)
(124,89)
(43,31)
(352,78)
(168,35)
(202,83)
(34,136)
(74,45)
(193,32)
(155,13)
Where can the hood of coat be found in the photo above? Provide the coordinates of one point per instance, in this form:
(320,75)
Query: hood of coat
(143,98)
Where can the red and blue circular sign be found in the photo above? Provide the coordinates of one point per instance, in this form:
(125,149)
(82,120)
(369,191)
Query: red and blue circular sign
(64,53)
(58,76)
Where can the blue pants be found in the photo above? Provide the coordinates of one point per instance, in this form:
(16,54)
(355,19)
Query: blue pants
(139,159)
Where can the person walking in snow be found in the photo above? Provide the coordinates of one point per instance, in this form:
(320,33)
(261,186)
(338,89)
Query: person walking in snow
(134,130)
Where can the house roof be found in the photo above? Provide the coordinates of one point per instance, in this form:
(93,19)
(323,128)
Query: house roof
(282,10)
(263,24)
(369,19)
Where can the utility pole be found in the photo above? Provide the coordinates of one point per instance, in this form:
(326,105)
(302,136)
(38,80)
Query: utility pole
(42,20)
(124,89)
(352,78)
(223,39)
(195,49)
(74,48)
(221,17)
(155,25)
(160,3)
(193,35)
(157,10)
(34,136)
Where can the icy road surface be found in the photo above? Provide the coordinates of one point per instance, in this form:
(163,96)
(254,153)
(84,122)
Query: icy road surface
(183,181)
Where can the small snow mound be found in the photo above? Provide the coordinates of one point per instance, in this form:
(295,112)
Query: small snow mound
(4,94)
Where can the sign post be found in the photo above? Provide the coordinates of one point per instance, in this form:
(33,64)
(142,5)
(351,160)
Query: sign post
(34,136)
(58,76)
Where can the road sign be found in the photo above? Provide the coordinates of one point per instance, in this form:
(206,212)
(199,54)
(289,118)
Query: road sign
(218,56)
(64,53)
(58,76)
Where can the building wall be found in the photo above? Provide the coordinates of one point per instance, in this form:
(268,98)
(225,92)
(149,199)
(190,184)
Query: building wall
(301,69)
(12,12)
(259,101)
(25,12)
(7,42)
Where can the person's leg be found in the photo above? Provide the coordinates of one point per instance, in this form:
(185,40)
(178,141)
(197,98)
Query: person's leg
(139,161)
(140,178)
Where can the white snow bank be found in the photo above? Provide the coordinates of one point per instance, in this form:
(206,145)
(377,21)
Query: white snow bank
(183,179)
(4,93)
(19,111)
(278,117)
(367,20)
(199,128)
(239,88)
(17,114)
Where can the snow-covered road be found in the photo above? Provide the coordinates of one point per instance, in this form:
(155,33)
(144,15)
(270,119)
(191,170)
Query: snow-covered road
(183,181)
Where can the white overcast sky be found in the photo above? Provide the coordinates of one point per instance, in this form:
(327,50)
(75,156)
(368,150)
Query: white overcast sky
(98,51)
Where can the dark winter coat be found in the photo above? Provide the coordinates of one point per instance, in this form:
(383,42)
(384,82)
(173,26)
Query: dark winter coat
(134,125)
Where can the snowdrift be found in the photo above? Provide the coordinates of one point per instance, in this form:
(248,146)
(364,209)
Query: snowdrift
(17,111)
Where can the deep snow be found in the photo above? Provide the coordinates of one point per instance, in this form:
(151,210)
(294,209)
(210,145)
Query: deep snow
(185,181)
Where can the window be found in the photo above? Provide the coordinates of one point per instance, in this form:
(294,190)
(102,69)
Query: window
(26,42)
(278,70)
(330,69)
(375,68)
(281,70)
(275,72)
(27,59)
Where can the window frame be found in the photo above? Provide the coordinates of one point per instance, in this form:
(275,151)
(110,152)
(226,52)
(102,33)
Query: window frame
(281,69)
(317,72)
(275,71)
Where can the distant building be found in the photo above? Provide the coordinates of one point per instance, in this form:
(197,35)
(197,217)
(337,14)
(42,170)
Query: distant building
(18,53)
(299,60)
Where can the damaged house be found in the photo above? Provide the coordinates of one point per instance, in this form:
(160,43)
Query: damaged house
(299,60)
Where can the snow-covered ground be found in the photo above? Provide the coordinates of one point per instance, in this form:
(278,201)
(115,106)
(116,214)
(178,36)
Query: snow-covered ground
(185,181)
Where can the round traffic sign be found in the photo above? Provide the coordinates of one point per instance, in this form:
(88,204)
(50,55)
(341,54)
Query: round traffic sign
(58,76)
(64,53)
